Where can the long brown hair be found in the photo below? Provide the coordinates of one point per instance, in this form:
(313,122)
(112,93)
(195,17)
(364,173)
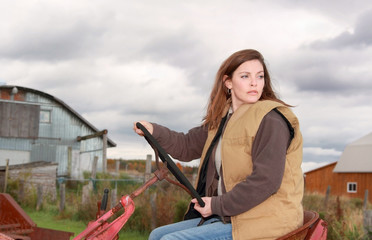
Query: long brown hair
(219,94)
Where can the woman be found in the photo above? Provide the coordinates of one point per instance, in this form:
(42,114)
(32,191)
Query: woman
(250,150)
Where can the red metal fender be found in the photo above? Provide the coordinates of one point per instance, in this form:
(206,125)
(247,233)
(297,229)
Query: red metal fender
(318,231)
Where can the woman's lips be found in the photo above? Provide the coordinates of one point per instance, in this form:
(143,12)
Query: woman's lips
(252,92)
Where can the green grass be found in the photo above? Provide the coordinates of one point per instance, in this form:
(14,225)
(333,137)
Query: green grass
(49,220)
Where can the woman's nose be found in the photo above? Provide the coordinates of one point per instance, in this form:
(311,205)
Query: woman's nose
(253,82)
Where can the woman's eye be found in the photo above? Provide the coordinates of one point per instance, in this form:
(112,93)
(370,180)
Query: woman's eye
(244,76)
(261,77)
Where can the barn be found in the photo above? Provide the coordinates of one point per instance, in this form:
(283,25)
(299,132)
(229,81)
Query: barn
(350,176)
(36,126)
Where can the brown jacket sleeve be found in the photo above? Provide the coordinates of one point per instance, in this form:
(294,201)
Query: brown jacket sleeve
(183,147)
(268,156)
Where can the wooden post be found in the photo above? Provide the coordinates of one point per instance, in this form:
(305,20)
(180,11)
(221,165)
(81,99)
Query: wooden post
(87,189)
(114,194)
(39,197)
(367,223)
(94,168)
(69,161)
(327,196)
(97,134)
(365,204)
(104,152)
(6,175)
(148,167)
(153,210)
(62,193)
(117,166)
(94,171)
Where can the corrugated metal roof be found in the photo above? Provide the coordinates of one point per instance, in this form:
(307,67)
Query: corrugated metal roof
(357,156)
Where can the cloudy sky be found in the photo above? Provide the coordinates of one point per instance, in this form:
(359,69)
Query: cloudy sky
(116,62)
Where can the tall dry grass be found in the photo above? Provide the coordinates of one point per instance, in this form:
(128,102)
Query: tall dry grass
(344,215)
(164,203)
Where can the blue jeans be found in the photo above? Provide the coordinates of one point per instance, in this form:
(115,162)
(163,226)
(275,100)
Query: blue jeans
(185,230)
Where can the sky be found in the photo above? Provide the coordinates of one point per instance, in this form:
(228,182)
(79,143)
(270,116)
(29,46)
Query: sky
(116,62)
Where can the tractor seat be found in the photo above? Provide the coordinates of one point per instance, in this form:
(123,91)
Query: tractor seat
(311,220)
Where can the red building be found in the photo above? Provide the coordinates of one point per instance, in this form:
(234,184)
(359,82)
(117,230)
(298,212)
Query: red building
(351,176)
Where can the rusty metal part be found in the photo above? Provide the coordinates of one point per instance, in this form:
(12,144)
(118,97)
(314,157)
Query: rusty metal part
(45,233)
(13,220)
(5,237)
(16,224)
(159,175)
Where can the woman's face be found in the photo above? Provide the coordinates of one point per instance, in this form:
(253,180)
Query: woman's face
(246,84)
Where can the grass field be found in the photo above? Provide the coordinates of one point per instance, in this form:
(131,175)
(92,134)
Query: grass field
(50,220)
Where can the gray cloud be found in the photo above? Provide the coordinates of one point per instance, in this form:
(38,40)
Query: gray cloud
(117,62)
(336,79)
(52,46)
(342,11)
(51,38)
(359,37)
(330,70)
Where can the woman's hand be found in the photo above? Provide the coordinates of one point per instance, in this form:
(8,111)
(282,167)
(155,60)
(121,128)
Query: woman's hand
(205,211)
(146,124)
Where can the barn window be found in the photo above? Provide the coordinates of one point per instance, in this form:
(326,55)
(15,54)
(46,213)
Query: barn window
(45,116)
(351,187)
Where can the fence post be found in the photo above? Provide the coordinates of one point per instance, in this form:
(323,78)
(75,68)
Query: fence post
(94,172)
(153,210)
(365,204)
(117,166)
(39,197)
(62,193)
(6,175)
(148,167)
(87,189)
(104,152)
(327,196)
(114,194)
(367,222)
(94,167)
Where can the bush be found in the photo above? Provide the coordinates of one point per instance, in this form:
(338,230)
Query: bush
(13,189)
(140,220)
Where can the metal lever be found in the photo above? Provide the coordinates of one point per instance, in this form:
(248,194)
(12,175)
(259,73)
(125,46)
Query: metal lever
(104,200)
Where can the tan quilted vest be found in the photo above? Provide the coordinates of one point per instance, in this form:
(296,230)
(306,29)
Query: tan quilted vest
(280,213)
